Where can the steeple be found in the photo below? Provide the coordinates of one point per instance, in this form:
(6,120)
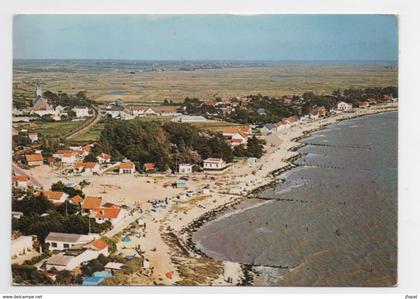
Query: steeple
(38,89)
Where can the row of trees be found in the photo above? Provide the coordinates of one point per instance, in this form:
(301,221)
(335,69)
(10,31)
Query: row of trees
(68,100)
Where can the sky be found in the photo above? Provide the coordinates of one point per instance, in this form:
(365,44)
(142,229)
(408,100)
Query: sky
(206,37)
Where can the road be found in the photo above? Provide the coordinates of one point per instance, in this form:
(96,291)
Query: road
(122,225)
(20,171)
(87,125)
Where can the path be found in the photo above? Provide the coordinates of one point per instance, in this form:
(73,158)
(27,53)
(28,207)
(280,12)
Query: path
(87,125)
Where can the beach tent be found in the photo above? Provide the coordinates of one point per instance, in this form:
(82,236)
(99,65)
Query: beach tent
(126,239)
(169,275)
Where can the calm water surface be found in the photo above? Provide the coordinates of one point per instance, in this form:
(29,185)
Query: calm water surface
(332,220)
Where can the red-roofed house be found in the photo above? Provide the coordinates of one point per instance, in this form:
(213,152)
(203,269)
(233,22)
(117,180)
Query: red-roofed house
(91,202)
(127,168)
(56,197)
(104,158)
(363,104)
(237,135)
(77,199)
(113,215)
(149,167)
(86,168)
(21,181)
(98,245)
(34,160)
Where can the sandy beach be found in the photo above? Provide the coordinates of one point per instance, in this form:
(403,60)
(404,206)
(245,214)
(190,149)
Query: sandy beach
(166,239)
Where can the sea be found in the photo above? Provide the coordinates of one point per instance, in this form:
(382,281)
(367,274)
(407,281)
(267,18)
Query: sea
(330,221)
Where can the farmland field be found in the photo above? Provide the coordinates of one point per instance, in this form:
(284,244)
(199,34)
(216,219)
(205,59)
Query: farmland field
(108,82)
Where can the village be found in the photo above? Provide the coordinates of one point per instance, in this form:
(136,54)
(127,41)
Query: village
(83,215)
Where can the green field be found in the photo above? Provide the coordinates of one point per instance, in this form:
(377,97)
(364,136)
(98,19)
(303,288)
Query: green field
(57,129)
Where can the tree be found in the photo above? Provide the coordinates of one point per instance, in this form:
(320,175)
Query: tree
(90,158)
(255,147)
(65,277)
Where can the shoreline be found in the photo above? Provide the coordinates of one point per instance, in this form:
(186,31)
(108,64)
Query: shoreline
(247,271)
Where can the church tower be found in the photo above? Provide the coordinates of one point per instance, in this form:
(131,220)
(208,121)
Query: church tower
(38,89)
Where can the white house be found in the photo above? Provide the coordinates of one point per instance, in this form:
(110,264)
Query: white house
(268,129)
(56,197)
(72,259)
(185,168)
(283,124)
(33,136)
(34,159)
(67,156)
(104,158)
(112,214)
(127,168)
(21,181)
(87,168)
(215,165)
(81,112)
(62,241)
(343,106)
(21,246)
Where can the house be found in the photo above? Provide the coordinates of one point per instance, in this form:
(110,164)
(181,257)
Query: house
(149,167)
(86,168)
(215,165)
(150,111)
(21,182)
(113,266)
(114,110)
(261,111)
(343,106)
(91,202)
(33,136)
(127,168)
(293,120)
(268,129)
(181,183)
(21,245)
(34,159)
(104,158)
(73,258)
(283,124)
(63,241)
(185,168)
(81,112)
(17,215)
(67,156)
(77,199)
(363,104)
(237,135)
(56,197)
(167,110)
(113,215)
(372,102)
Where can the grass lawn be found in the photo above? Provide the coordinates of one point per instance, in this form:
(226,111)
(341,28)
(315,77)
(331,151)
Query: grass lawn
(214,126)
(57,129)
(91,135)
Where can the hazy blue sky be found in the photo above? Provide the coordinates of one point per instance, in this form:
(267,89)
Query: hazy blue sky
(171,37)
